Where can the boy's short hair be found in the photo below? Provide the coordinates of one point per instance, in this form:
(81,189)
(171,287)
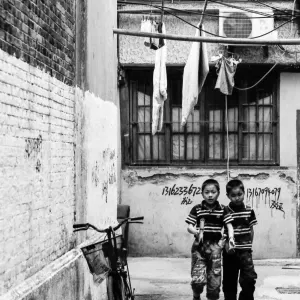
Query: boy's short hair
(210,181)
(234,183)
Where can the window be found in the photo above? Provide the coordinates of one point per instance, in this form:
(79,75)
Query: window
(252,122)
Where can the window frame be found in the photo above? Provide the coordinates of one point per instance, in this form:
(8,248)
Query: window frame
(204,127)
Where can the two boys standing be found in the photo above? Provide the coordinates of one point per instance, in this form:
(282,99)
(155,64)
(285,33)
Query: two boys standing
(206,221)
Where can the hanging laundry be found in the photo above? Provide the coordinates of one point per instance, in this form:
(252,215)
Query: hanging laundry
(194,75)
(146,26)
(152,26)
(226,68)
(159,86)
(154,41)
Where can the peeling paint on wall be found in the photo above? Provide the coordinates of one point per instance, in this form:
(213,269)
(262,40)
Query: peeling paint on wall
(100,144)
(132,177)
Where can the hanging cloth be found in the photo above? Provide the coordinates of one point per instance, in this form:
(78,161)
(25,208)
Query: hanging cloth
(226,68)
(159,86)
(194,75)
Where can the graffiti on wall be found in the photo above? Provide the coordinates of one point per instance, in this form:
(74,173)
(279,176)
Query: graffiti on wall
(185,191)
(96,174)
(267,195)
(33,147)
(181,190)
(186,201)
(104,171)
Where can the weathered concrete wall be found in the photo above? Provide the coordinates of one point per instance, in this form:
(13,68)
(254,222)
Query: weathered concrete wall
(97,129)
(133,51)
(99,158)
(289,103)
(164,231)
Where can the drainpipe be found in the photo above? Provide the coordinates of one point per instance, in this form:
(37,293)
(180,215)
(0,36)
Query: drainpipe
(297,12)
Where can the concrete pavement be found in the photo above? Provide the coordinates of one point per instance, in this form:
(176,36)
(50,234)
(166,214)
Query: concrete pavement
(169,278)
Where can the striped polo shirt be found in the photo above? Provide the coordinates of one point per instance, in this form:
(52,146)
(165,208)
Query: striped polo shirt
(214,217)
(243,220)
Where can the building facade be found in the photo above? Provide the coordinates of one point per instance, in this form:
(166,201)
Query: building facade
(162,173)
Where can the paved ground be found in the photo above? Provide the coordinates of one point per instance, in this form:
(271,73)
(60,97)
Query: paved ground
(168,278)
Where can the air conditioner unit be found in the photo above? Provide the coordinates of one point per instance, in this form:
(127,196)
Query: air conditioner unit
(236,23)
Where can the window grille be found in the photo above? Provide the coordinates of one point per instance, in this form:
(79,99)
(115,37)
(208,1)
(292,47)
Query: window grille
(252,122)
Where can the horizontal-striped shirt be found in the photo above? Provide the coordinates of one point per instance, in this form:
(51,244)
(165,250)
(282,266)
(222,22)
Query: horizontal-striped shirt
(243,220)
(214,219)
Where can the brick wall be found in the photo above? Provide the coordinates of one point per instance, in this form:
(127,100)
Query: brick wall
(36,169)
(37,51)
(41,33)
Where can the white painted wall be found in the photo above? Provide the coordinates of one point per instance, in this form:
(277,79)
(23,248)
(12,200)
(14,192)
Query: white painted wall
(101,148)
(289,103)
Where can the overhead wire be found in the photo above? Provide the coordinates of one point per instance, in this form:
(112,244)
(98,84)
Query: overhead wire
(208,32)
(259,81)
(263,15)
(276,28)
(273,7)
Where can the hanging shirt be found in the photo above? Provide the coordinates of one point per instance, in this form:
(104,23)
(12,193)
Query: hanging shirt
(226,68)
(194,75)
(159,86)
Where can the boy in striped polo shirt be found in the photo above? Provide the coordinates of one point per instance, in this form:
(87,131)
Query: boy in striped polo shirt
(239,260)
(205,222)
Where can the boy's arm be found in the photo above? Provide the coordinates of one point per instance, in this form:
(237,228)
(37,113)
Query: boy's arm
(252,234)
(191,220)
(192,230)
(252,222)
(227,219)
(230,230)
(230,235)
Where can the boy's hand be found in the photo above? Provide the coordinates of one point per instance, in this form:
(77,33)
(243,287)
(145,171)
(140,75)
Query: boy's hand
(200,236)
(231,243)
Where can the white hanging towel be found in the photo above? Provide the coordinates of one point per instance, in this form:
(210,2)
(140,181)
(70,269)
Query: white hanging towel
(194,75)
(159,87)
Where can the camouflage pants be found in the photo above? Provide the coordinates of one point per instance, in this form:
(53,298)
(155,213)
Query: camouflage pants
(233,264)
(206,269)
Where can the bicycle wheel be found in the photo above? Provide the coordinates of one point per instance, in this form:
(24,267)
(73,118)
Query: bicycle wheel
(110,288)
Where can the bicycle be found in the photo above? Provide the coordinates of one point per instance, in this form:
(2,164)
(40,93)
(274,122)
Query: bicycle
(118,283)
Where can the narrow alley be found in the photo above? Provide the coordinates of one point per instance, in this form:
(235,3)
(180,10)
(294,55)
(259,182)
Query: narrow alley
(162,135)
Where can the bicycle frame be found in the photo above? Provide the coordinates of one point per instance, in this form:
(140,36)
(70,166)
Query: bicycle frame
(119,283)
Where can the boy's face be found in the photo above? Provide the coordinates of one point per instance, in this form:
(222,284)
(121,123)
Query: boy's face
(210,194)
(236,196)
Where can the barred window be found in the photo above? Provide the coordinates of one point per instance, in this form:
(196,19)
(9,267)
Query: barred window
(252,122)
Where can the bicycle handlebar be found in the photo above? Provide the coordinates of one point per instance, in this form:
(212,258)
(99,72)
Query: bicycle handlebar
(86,226)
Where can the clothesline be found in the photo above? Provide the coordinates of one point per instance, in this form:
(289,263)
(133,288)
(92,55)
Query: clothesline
(213,40)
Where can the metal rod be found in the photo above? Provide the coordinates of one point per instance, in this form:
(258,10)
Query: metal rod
(158,11)
(202,16)
(227,136)
(212,40)
(162,11)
